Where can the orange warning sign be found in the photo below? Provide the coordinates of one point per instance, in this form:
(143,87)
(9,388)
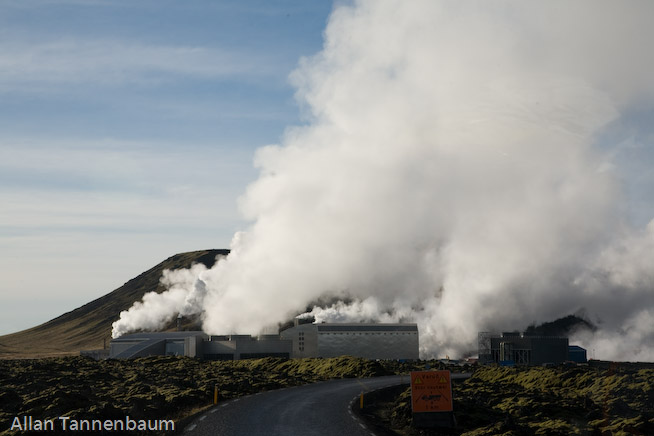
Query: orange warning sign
(431,391)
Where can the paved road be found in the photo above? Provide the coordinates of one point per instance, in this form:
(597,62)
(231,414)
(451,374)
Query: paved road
(316,409)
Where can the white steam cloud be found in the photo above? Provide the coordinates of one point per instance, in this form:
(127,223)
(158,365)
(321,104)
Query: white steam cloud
(451,174)
(185,293)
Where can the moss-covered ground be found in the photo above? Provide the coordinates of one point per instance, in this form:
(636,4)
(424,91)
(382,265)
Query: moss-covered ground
(539,401)
(158,387)
(494,401)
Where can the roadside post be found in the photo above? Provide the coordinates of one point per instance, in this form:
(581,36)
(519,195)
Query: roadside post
(215,394)
(431,399)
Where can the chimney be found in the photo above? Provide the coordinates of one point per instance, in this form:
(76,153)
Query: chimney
(179,322)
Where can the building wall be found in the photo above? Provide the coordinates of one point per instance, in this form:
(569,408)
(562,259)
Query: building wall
(245,347)
(115,347)
(255,348)
(193,346)
(549,350)
(371,341)
(529,350)
(219,349)
(369,344)
(175,348)
(304,338)
(577,354)
(149,347)
(156,344)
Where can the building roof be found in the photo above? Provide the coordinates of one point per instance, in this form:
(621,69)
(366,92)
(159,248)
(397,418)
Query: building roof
(367,327)
(143,336)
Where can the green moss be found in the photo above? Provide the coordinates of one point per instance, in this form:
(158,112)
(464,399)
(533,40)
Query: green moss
(153,386)
(510,401)
(551,401)
(553,427)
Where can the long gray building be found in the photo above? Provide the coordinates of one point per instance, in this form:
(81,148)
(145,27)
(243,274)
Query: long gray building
(368,340)
(371,341)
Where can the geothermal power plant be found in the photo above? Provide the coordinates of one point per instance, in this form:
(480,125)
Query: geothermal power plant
(398,341)
(367,340)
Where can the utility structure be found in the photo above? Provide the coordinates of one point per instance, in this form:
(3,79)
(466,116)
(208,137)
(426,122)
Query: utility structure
(515,348)
(484,348)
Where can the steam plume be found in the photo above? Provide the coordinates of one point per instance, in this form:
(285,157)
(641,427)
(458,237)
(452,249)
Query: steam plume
(450,174)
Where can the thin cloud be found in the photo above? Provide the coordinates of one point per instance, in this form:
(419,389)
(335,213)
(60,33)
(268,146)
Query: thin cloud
(143,168)
(115,62)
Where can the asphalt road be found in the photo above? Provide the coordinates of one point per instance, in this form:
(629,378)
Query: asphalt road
(316,409)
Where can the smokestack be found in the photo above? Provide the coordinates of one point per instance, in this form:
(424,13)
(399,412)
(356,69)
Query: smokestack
(179,322)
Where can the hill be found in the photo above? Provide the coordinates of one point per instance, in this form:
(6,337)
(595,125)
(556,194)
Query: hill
(89,326)
(561,327)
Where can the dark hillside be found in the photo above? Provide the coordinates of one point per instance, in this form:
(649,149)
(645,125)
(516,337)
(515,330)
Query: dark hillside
(560,327)
(89,326)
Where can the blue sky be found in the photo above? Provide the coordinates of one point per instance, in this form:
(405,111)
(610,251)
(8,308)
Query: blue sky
(127,132)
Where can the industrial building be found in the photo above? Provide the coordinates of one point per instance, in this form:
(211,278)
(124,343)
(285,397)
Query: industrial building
(156,344)
(515,348)
(198,344)
(577,354)
(367,340)
(372,341)
(235,347)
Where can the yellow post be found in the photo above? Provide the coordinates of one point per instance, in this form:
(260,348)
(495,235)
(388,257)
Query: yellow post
(215,394)
(361,401)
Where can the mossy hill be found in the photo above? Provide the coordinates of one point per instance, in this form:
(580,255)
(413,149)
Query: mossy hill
(89,326)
